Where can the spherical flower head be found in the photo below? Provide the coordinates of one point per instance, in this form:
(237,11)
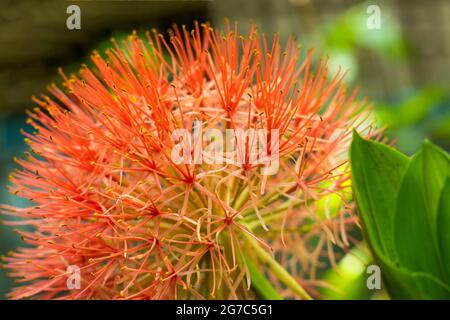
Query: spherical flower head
(164,170)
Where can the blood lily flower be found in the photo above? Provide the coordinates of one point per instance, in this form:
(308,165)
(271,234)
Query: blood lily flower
(109,199)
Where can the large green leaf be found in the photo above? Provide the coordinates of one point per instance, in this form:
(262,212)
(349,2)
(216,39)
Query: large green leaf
(399,282)
(403,284)
(405,209)
(415,230)
(377,171)
(443,226)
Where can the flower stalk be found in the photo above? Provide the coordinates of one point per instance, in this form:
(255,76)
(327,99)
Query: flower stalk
(278,270)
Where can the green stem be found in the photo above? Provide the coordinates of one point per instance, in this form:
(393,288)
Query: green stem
(277,269)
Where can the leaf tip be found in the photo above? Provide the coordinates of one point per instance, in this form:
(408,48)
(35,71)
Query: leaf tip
(356,134)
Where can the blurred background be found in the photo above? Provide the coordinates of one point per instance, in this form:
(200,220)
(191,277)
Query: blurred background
(402,65)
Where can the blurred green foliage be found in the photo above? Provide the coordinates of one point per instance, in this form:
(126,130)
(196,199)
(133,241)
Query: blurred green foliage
(422,114)
(410,115)
(341,39)
(11,144)
(348,280)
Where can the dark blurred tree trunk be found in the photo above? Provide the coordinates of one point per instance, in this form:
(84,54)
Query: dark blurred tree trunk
(34,39)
